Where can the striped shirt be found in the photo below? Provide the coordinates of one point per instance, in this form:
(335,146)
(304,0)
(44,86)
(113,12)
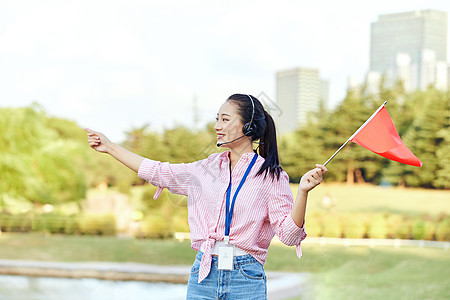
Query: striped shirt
(262,209)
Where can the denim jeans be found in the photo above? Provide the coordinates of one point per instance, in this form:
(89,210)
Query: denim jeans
(246,281)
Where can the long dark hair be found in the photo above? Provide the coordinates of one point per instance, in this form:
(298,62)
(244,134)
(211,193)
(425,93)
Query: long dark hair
(265,132)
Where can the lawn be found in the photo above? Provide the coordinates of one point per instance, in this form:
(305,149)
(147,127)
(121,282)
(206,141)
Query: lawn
(371,198)
(338,272)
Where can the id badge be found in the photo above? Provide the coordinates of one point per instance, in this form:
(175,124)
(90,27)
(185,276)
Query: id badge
(226,258)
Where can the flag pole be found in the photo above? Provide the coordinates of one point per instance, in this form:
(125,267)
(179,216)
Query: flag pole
(356,132)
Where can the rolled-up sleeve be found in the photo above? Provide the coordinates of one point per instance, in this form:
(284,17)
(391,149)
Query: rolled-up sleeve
(175,177)
(280,204)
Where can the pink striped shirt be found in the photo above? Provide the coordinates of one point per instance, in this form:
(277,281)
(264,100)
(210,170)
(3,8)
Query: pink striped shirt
(262,209)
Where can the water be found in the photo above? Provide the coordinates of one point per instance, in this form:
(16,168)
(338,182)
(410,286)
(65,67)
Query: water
(43,288)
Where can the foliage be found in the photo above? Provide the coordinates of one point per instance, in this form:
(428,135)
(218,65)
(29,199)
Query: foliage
(154,226)
(55,223)
(40,157)
(422,119)
(443,230)
(377,226)
(97,224)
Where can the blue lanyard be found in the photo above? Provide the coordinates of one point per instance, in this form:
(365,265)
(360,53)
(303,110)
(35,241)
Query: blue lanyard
(229,212)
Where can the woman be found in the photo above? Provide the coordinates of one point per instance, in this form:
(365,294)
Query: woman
(237,200)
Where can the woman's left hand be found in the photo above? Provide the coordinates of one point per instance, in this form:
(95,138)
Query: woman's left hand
(312,178)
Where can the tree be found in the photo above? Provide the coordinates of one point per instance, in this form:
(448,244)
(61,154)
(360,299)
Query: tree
(35,162)
(443,152)
(430,108)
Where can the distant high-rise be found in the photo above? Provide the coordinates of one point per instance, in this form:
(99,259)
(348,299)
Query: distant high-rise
(411,47)
(300,91)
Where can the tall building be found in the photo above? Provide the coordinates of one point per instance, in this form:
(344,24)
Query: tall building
(300,91)
(411,47)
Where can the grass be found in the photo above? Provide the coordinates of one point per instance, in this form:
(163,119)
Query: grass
(370,273)
(370,198)
(94,248)
(338,272)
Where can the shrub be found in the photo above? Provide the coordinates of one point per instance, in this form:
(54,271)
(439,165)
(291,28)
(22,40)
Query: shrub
(71,225)
(50,223)
(423,229)
(15,223)
(443,230)
(97,224)
(180,222)
(313,226)
(331,226)
(403,227)
(378,227)
(354,226)
(150,203)
(154,226)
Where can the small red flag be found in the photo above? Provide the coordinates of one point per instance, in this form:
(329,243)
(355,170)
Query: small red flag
(380,136)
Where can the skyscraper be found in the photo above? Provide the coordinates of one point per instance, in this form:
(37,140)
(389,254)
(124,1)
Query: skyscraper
(300,91)
(412,47)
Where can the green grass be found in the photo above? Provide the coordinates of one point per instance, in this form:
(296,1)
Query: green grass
(370,273)
(370,198)
(338,272)
(94,248)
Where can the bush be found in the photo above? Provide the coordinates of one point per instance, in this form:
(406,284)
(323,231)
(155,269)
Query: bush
(354,226)
(97,224)
(378,227)
(180,222)
(443,230)
(55,223)
(150,203)
(331,226)
(15,223)
(313,226)
(154,226)
(423,230)
(399,227)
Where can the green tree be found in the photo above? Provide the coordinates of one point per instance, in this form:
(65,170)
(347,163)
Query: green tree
(430,108)
(357,163)
(442,179)
(36,163)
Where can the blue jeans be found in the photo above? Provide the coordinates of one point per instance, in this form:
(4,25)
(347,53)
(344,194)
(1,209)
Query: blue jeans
(246,281)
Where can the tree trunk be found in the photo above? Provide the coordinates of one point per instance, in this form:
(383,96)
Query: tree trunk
(359,176)
(350,176)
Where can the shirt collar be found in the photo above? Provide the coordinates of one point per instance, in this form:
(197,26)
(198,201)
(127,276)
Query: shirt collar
(225,156)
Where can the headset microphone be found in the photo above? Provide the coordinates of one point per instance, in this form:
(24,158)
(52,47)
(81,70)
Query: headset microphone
(220,144)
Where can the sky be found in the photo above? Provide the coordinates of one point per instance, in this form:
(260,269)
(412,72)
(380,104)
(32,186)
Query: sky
(115,65)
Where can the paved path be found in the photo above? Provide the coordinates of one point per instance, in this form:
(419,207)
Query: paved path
(280,285)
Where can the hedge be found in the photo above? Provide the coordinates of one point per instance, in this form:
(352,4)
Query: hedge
(377,226)
(326,224)
(58,223)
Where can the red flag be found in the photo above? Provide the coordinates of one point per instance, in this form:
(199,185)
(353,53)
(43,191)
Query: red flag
(380,136)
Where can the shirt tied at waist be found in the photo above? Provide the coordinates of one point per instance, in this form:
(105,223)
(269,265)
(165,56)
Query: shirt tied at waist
(205,264)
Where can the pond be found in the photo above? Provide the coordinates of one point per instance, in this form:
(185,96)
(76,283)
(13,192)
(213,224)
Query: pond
(47,288)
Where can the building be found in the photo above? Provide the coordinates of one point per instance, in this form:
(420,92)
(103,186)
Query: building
(411,47)
(300,92)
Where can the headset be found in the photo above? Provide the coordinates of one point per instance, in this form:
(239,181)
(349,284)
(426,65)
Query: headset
(248,129)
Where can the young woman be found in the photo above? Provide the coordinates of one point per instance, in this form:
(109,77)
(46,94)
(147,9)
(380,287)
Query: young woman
(237,200)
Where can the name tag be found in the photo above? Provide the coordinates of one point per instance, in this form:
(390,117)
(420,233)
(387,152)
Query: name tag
(226,258)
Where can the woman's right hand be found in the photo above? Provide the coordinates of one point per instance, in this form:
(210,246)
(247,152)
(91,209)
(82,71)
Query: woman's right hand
(98,141)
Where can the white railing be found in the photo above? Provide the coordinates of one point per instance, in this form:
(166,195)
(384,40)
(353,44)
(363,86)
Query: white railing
(372,242)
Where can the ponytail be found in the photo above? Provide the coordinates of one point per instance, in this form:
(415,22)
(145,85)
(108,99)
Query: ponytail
(263,130)
(269,149)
